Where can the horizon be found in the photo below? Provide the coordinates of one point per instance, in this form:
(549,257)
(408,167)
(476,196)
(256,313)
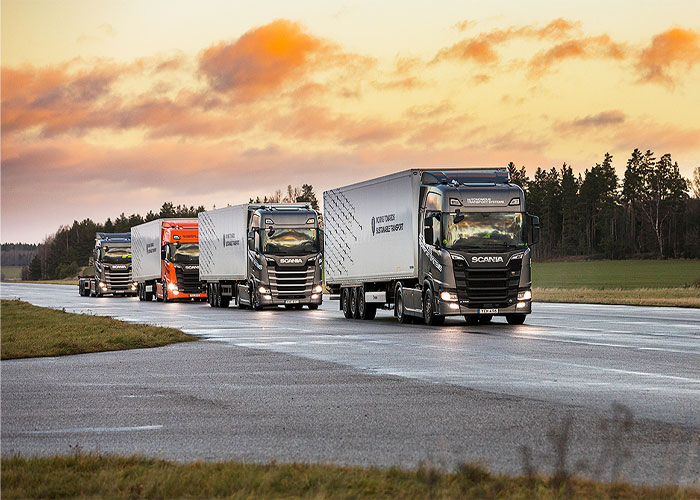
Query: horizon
(112,108)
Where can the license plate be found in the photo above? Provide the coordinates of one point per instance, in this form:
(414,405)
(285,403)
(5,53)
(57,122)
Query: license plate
(291,301)
(488,311)
(195,295)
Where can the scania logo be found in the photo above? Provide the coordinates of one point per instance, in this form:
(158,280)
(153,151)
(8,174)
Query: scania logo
(487,259)
(291,261)
(191,268)
(120,267)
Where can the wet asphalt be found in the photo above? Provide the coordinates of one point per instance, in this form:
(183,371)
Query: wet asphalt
(313,386)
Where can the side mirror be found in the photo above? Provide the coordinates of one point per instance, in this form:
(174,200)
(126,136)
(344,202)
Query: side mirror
(533,229)
(428,231)
(251,240)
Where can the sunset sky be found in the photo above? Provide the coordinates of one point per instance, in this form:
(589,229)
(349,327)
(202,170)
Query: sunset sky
(118,106)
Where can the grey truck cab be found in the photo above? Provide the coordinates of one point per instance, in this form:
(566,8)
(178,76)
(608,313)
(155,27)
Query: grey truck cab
(112,267)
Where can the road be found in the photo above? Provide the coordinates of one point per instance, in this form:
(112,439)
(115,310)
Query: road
(310,385)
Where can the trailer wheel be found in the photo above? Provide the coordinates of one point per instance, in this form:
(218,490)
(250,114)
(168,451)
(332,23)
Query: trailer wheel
(365,311)
(354,310)
(429,315)
(515,319)
(345,302)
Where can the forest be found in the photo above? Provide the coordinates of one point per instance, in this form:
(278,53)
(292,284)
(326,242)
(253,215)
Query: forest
(651,212)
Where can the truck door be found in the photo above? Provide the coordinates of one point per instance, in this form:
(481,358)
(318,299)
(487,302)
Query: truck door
(431,229)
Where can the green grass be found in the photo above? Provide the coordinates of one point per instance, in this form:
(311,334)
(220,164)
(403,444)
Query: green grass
(11,272)
(93,476)
(670,297)
(625,274)
(30,331)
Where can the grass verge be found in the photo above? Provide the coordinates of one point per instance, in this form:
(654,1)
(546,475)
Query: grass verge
(616,274)
(30,331)
(71,281)
(671,297)
(94,476)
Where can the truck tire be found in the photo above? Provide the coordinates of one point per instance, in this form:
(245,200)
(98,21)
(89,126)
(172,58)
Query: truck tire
(400,307)
(345,302)
(165,293)
(515,319)
(313,307)
(429,316)
(254,301)
(355,314)
(225,301)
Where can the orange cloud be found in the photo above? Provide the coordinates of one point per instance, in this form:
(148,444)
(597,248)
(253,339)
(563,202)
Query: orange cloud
(672,47)
(262,59)
(482,48)
(583,48)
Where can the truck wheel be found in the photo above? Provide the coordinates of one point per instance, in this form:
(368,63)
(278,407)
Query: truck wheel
(345,302)
(224,301)
(401,308)
(471,319)
(429,316)
(485,318)
(313,307)
(354,311)
(254,301)
(515,319)
(165,293)
(365,311)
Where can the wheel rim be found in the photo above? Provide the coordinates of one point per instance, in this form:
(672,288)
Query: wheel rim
(399,307)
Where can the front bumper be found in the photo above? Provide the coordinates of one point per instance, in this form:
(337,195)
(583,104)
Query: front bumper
(316,298)
(456,309)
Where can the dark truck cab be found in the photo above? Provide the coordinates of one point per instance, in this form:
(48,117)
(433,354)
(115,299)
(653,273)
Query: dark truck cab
(112,267)
(474,249)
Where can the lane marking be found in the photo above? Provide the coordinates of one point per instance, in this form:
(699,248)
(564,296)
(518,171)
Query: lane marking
(82,430)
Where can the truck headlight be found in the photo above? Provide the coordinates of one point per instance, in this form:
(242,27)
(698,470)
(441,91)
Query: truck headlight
(526,295)
(318,289)
(134,285)
(102,285)
(262,289)
(448,296)
(172,286)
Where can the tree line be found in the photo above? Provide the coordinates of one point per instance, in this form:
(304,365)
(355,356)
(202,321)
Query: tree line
(68,250)
(652,211)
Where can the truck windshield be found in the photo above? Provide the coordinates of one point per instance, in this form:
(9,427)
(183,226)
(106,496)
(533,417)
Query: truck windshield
(289,241)
(184,253)
(115,255)
(486,231)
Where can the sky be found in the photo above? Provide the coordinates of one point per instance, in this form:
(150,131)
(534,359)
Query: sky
(111,107)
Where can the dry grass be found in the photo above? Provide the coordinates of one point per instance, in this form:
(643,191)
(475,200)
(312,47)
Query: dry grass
(31,331)
(94,476)
(675,297)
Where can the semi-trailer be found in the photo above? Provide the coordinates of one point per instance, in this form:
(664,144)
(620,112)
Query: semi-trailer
(112,267)
(430,244)
(166,260)
(262,255)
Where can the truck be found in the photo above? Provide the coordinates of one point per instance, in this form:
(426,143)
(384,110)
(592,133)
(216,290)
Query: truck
(111,259)
(430,244)
(262,255)
(166,260)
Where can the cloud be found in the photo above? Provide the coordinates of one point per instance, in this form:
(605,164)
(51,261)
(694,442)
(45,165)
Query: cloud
(671,48)
(601,47)
(263,59)
(482,48)
(613,117)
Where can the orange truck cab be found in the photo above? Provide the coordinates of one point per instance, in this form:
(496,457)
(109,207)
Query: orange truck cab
(166,260)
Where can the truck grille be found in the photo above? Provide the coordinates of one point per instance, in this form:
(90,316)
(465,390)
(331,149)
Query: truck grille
(118,280)
(291,282)
(188,281)
(487,287)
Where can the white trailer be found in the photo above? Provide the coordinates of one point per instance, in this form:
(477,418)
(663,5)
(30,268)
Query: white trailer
(223,244)
(371,230)
(145,251)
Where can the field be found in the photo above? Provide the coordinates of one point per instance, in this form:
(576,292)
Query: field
(11,272)
(625,274)
(30,331)
(93,476)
